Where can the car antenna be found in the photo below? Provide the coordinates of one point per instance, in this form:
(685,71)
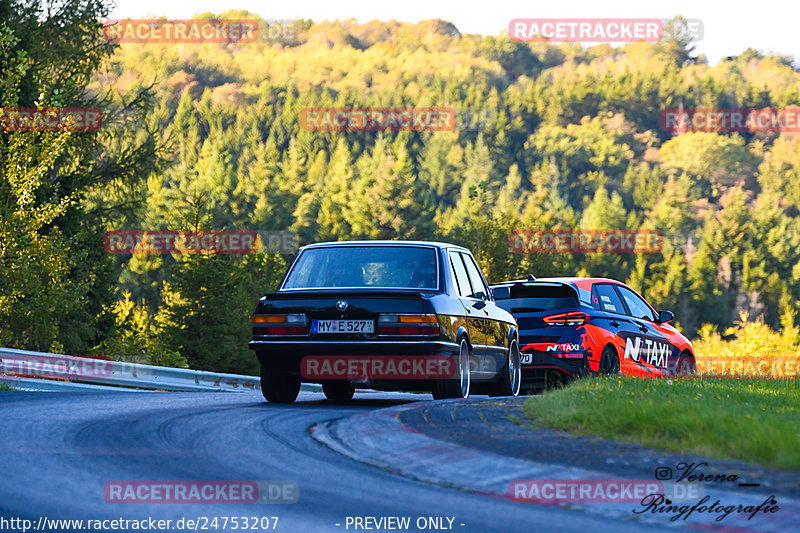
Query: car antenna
(531,277)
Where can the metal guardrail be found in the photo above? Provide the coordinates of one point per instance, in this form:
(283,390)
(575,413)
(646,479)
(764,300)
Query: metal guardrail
(60,372)
(51,385)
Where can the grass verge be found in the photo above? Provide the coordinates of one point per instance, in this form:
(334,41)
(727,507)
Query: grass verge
(753,421)
(4,387)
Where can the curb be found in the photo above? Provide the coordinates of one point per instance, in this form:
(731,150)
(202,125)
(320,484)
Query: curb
(380,439)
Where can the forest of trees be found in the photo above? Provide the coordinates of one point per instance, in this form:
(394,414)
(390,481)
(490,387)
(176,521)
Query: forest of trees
(208,136)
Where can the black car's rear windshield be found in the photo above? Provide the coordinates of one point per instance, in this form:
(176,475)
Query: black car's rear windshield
(534,298)
(399,267)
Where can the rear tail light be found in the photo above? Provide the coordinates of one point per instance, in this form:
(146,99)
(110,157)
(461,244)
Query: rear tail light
(408,325)
(573,318)
(294,324)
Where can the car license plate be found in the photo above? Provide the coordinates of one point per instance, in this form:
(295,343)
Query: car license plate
(526,359)
(342,326)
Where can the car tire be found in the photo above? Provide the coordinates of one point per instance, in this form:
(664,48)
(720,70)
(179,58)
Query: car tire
(279,387)
(609,362)
(510,378)
(339,390)
(457,387)
(686,364)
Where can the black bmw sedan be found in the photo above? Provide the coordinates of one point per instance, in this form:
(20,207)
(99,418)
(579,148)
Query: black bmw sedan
(386,315)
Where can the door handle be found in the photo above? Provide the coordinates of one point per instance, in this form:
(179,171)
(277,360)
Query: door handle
(643,329)
(614,323)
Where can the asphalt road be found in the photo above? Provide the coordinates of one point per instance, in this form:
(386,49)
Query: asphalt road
(59,450)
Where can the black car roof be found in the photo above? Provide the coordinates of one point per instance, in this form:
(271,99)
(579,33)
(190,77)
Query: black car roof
(433,244)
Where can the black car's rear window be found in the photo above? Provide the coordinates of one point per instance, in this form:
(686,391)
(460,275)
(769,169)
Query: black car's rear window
(533,298)
(412,267)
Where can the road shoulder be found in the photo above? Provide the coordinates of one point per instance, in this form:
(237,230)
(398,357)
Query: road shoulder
(483,446)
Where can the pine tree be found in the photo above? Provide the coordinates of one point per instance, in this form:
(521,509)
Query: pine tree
(332,223)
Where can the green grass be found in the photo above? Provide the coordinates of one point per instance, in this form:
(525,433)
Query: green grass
(4,387)
(753,421)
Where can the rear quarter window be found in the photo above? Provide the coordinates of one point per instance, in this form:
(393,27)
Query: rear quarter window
(481,291)
(460,273)
(605,298)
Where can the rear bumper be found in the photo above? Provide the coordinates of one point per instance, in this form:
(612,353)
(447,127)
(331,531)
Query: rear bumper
(302,347)
(545,363)
(287,356)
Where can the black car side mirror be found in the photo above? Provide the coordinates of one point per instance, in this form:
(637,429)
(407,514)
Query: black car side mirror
(665,316)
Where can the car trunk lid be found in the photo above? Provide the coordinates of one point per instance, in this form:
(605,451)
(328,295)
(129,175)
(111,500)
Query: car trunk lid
(350,304)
